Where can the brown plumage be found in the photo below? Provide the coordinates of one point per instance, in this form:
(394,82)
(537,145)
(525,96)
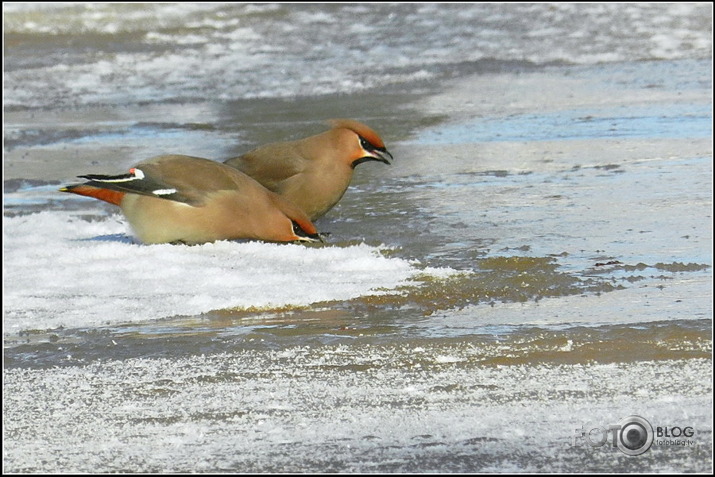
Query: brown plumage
(314,172)
(193,200)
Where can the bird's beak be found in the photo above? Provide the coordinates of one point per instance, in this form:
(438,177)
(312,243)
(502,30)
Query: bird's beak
(382,156)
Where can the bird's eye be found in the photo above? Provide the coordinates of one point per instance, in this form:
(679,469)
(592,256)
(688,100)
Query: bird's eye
(366,145)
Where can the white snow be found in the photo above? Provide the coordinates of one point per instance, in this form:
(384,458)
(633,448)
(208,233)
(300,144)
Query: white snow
(62,270)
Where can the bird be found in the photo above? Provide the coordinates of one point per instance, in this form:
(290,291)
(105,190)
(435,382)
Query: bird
(314,173)
(192,200)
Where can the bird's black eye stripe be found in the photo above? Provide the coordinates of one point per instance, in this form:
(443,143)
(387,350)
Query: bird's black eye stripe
(368,146)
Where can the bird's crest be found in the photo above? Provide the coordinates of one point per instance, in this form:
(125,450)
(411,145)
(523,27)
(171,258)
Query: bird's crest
(360,129)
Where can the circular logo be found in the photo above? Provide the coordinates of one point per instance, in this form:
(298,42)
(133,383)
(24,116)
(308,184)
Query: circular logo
(635,436)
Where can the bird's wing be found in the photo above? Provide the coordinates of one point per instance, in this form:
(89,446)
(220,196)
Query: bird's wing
(179,178)
(271,165)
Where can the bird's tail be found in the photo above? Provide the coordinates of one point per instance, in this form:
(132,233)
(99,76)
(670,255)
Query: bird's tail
(107,195)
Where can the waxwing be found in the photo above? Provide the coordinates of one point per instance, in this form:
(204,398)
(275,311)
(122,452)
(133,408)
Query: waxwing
(313,173)
(182,199)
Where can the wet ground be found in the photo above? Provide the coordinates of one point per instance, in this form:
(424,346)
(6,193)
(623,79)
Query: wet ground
(568,209)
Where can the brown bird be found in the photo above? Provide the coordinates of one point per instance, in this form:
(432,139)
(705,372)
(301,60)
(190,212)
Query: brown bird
(182,199)
(313,173)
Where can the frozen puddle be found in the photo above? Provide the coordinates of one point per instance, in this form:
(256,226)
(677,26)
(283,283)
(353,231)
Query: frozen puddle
(63,270)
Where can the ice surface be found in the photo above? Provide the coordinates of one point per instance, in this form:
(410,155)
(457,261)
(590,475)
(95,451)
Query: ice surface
(397,408)
(482,389)
(234,50)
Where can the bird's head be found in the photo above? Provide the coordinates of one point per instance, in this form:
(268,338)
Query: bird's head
(362,143)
